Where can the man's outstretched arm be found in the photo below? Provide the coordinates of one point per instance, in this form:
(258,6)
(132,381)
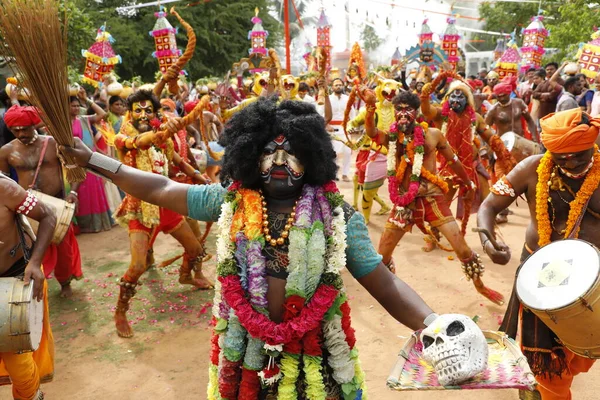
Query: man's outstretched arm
(149,187)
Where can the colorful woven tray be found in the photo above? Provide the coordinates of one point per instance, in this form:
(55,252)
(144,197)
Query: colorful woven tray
(507,368)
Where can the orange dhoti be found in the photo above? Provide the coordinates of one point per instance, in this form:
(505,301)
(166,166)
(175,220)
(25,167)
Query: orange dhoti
(556,388)
(26,371)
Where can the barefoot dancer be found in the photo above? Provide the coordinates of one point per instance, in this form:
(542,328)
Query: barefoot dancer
(270,268)
(136,147)
(417,192)
(38,167)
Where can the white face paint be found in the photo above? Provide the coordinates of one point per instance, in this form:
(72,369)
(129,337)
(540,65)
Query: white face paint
(456,348)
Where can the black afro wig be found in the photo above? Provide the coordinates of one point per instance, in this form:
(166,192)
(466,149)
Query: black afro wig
(248,132)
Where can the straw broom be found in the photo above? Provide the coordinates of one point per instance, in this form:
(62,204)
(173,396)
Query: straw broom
(32,32)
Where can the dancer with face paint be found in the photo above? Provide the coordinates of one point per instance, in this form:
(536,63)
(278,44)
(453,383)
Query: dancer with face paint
(461,125)
(285,232)
(417,192)
(141,147)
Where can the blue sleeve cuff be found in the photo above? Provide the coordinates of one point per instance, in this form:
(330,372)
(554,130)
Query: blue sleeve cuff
(204,201)
(361,256)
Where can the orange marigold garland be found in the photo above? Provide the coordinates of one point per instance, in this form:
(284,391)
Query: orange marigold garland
(506,162)
(590,184)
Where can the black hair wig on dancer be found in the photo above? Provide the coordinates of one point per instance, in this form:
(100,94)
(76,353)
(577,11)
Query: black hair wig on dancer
(143,95)
(409,98)
(250,130)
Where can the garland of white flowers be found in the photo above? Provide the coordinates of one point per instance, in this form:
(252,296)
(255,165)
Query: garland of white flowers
(391,157)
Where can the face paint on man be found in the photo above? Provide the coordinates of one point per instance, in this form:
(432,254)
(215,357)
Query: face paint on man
(279,163)
(142,113)
(405,117)
(457,101)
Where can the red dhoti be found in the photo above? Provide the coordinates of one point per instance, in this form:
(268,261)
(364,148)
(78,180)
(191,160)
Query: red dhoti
(64,259)
(170,221)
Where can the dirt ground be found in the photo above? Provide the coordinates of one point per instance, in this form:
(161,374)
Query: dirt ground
(168,356)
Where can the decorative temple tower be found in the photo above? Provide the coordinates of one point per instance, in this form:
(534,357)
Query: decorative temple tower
(450,42)
(100,58)
(323,39)
(257,36)
(534,37)
(163,33)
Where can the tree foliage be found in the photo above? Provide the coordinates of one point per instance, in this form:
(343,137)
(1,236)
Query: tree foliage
(221,29)
(369,38)
(569,22)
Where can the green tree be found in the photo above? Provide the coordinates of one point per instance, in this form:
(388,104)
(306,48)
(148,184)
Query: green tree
(80,29)
(221,29)
(295,28)
(369,38)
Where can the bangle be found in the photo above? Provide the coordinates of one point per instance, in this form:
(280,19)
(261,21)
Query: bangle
(484,243)
(430,318)
(197,172)
(89,101)
(74,192)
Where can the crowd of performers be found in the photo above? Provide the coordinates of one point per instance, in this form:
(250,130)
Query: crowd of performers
(263,164)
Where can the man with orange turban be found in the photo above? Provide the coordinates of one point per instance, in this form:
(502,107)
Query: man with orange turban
(569,173)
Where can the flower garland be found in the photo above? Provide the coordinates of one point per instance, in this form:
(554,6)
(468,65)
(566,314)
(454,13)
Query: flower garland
(316,256)
(542,190)
(413,154)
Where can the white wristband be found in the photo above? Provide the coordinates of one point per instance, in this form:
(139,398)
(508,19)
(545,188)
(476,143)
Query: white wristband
(430,318)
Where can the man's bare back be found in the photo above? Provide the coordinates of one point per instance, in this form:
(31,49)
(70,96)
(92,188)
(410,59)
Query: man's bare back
(24,159)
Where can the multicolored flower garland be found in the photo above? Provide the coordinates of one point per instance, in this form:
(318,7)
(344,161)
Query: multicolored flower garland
(542,196)
(313,299)
(414,152)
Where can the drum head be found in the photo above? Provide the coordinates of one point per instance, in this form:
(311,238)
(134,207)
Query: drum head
(36,321)
(558,274)
(509,140)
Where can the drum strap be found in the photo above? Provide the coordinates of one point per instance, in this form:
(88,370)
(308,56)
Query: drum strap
(579,219)
(22,243)
(42,154)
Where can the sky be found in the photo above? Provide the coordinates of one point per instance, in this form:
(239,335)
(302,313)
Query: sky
(404,23)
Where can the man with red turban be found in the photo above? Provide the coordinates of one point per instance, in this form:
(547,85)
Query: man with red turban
(570,165)
(509,115)
(34,158)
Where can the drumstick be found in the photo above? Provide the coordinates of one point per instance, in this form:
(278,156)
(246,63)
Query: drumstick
(489,236)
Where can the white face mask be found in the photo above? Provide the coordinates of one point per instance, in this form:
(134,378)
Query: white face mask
(456,348)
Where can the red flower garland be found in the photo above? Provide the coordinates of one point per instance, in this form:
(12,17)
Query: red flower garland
(413,186)
(312,342)
(215,349)
(331,187)
(250,385)
(346,325)
(229,378)
(260,326)
(292,307)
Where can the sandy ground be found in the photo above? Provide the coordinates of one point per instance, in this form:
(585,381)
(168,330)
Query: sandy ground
(168,356)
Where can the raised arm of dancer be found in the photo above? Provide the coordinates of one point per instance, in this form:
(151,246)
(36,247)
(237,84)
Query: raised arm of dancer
(429,111)
(399,299)
(151,188)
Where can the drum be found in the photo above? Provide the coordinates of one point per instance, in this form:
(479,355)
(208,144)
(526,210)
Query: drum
(559,284)
(64,215)
(21,317)
(519,147)
(201,157)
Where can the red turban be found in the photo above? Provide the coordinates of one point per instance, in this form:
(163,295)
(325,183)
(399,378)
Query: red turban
(506,86)
(169,103)
(563,132)
(190,105)
(22,116)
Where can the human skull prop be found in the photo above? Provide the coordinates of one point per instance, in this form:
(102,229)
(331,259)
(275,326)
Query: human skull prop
(456,348)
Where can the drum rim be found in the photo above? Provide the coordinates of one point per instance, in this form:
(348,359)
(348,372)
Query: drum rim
(567,306)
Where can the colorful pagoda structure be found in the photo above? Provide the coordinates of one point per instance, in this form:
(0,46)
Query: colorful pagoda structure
(163,33)
(508,63)
(450,42)
(100,58)
(534,37)
(589,57)
(323,36)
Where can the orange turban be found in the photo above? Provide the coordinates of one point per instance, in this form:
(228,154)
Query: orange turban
(506,86)
(563,132)
(22,116)
(168,103)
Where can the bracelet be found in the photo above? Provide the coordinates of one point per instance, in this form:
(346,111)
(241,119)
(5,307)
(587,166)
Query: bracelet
(484,243)
(89,102)
(98,160)
(74,192)
(430,318)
